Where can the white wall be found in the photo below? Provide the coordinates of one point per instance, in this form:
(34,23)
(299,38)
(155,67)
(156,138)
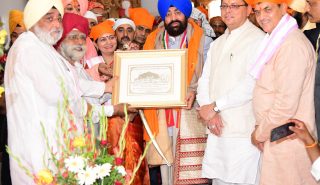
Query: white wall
(151,5)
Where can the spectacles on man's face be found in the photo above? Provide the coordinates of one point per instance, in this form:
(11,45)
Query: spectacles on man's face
(75,37)
(232,6)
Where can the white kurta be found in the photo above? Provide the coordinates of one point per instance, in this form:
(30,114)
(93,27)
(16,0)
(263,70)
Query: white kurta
(225,79)
(93,92)
(33,75)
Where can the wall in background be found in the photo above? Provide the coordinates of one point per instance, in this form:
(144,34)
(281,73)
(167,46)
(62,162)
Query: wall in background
(151,5)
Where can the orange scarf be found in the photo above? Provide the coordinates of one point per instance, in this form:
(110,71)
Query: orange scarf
(151,114)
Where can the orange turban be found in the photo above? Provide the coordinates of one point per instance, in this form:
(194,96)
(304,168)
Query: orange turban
(15,18)
(102,28)
(141,17)
(253,2)
(82,3)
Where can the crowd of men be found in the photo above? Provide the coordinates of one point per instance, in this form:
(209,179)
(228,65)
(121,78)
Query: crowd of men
(244,78)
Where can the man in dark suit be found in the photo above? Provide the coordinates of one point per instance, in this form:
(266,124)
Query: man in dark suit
(313,12)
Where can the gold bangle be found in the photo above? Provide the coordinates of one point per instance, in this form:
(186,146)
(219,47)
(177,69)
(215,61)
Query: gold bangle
(312,145)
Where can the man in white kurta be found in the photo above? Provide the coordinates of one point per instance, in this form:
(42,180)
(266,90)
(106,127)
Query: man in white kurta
(224,95)
(33,77)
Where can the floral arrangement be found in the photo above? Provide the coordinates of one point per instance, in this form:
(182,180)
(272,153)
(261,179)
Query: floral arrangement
(84,158)
(3,35)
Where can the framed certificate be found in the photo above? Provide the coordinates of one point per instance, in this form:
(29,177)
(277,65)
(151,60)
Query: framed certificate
(150,78)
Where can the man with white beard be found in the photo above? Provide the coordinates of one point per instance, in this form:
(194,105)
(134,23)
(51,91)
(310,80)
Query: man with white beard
(33,77)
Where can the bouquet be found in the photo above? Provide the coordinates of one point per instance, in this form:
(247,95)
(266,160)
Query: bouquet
(83,158)
(3,35)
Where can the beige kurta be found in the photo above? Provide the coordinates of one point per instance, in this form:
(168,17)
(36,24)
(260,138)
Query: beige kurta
(285,90)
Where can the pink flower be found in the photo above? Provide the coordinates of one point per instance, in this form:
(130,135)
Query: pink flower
(118,161)
(117,183)
(65,174)
(103,142)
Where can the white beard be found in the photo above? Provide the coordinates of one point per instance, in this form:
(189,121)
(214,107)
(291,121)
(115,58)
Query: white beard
(46,37)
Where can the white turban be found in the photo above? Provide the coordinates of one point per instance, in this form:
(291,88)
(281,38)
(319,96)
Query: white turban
(36,9)
(124,21)
(90,15)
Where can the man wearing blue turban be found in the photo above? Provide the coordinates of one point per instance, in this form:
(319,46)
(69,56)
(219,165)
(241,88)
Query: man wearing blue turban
(177,32)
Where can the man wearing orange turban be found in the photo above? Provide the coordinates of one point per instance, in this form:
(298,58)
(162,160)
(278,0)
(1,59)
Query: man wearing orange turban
(284,69)
(16,25)
(226,100)
(144,23)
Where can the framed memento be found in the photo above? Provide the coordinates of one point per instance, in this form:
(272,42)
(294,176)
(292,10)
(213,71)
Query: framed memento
(150,78)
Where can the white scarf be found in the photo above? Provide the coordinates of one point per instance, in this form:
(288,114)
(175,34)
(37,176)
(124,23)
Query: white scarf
(272,42)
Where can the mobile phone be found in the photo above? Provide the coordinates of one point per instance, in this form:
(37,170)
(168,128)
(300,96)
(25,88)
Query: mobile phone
(281,131)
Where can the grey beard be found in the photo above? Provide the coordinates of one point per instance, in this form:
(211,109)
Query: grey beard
(46,37)
(70,54)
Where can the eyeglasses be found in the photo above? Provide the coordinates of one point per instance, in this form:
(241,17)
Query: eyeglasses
(77,37)
(232,7)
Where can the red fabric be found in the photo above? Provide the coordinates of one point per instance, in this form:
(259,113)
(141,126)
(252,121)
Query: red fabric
(72,21)
(169,117)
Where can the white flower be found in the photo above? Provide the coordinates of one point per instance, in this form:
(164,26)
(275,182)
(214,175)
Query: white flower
(103,170)
(87,176)
(121,170)
(74,164)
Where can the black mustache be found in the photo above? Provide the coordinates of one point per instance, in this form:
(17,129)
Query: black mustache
(170,24)
(125,38)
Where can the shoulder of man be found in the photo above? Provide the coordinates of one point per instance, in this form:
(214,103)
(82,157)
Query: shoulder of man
(153,36)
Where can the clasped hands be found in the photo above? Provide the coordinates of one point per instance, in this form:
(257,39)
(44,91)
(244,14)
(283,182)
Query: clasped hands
(211,118)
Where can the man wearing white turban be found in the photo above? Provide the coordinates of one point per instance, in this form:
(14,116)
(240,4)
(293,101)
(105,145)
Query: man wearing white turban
(124,29)
(33,76)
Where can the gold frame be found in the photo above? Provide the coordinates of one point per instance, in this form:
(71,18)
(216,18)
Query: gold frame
(166,69)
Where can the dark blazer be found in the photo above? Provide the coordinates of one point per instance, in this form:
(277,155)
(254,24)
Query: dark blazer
(313,35)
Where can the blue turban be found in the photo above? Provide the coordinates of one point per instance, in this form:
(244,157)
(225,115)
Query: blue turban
(184,6)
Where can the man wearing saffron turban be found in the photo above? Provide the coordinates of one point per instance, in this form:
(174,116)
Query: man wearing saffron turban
(16,25)
(176,32)
(225,99)
(143,25)
(284,69)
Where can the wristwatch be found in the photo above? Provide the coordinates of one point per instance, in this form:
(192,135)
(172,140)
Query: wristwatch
(215,108)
